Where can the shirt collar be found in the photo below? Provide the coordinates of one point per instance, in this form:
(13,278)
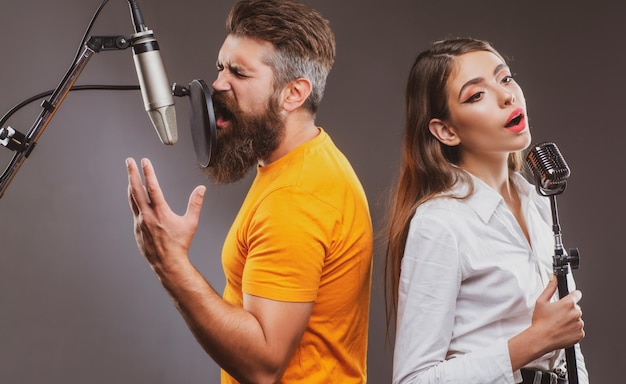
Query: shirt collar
(485,200)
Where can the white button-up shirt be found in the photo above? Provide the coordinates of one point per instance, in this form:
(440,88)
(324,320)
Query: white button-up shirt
(468,283)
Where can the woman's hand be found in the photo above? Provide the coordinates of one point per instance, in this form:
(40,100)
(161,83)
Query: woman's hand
(554,325)
(561,321)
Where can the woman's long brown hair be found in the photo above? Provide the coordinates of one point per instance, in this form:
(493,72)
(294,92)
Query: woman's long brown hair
(428,166)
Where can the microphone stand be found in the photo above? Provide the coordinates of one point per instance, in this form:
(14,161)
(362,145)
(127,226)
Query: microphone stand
(550,173)
(22,144)
(202,113)
(560,264)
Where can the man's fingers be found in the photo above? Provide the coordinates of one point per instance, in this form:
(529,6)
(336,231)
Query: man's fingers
(132,202)
(195,202)
(152,183)
(136,193)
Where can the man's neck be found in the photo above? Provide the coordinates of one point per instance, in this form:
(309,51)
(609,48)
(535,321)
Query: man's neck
(299,129)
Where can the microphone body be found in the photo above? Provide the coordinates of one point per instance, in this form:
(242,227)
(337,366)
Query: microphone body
(548,168)
(155,86)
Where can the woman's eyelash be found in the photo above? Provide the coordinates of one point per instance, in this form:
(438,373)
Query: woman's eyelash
(475,97)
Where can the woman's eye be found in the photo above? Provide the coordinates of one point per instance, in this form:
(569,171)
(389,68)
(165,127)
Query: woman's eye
(507,79)
(474,98)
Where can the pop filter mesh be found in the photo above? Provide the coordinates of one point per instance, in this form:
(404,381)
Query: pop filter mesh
(202,122)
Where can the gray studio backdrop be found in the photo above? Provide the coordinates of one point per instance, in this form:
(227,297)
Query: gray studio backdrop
(78,304)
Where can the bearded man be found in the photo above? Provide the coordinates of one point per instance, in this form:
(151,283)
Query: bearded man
(298,257)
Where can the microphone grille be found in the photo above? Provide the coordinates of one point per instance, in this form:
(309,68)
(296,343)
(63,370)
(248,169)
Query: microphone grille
(548,167)
(164,122)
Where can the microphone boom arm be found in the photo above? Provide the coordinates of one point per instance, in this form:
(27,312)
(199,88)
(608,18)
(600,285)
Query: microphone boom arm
(24,144)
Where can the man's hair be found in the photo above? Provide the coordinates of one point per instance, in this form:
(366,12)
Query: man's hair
(304,42)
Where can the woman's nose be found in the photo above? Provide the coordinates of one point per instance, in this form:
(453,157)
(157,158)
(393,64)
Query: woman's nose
(509,98)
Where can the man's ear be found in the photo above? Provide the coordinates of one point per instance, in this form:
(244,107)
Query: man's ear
(295,93)
(445,133)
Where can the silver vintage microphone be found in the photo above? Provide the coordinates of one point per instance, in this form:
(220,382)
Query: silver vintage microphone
(548,168)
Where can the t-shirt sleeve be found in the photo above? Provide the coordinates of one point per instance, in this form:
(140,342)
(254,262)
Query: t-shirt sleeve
(288,239)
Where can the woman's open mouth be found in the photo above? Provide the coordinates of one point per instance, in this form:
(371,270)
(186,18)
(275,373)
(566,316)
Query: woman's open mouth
(517,121)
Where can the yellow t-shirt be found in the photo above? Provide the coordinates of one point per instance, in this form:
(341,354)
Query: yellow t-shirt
(304,234)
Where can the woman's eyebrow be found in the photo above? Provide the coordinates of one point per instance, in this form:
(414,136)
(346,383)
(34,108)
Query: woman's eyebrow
(477,80)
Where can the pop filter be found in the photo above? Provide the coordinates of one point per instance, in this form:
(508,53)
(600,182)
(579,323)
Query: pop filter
(202,122)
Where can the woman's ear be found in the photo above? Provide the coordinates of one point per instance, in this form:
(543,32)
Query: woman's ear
(295,93)
(444,132)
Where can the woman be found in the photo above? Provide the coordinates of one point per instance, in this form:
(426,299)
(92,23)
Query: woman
(469,257)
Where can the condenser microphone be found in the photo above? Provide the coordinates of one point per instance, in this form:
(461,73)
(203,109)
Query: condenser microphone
(548,168)
(155,87)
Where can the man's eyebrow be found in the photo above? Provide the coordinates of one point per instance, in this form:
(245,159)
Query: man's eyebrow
(231,67)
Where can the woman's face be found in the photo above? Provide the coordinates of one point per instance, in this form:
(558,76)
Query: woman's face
(487,107)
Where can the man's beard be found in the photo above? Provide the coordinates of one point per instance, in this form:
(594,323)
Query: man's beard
(247,138)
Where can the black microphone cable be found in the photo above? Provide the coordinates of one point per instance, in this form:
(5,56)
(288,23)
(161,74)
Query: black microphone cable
(42,95)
